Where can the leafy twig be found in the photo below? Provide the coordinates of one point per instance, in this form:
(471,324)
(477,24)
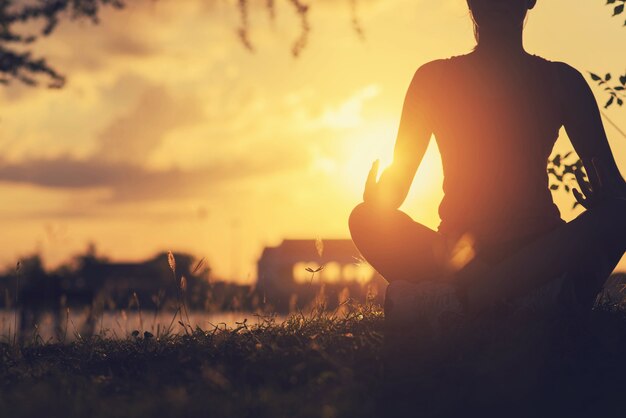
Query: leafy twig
(616,91)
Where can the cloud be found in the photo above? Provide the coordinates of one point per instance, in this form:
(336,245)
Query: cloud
(124,45)
(131,182)
(164,145)
(350,113)
(118,163)
(66,172)
(135,135)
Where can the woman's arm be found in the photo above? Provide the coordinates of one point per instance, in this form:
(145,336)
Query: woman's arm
(413,136)
(584,127)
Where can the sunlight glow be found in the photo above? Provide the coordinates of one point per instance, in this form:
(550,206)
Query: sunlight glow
(362,149)
(462,253)
(369,145)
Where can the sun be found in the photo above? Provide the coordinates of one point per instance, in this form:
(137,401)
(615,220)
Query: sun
(377,143)
(348,167)
(360,150)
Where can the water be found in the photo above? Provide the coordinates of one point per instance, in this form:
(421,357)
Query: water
(120,324)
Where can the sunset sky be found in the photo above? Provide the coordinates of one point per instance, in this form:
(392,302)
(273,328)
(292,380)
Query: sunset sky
(169,135)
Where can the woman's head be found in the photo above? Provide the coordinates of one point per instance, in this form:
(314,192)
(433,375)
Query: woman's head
(499,15)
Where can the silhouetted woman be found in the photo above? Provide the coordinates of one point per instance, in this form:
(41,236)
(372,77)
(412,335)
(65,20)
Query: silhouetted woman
(496,113)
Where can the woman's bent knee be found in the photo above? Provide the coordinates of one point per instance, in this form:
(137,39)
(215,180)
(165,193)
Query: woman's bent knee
(360,217)
(367,216)
(367,221)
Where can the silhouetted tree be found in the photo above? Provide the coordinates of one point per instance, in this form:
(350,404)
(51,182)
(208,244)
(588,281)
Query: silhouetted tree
(17,60)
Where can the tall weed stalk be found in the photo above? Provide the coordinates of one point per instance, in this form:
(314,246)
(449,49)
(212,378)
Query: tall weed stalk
(18,271)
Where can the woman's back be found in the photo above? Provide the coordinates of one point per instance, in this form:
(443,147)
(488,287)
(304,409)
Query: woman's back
(495,126)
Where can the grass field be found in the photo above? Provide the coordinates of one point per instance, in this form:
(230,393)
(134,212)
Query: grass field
(313,365)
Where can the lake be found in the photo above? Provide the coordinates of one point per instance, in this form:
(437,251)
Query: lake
(121,323)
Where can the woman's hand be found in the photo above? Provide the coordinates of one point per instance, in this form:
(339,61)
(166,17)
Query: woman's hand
(602,186)
(371,194)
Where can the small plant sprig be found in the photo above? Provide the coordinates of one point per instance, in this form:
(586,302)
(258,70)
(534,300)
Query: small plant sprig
(313,271)
(618,7)
(615,91)
(18,272)
(561,173)
(319,248)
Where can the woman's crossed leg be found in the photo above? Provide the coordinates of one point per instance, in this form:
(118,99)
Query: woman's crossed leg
(587,249)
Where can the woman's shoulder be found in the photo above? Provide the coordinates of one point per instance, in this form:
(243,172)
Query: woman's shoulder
(564,70)
(430,68)
(444,62)
(569,84)
(433,70)
(568,80)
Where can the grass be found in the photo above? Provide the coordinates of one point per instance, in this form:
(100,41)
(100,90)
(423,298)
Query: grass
(319,364)
(314,365)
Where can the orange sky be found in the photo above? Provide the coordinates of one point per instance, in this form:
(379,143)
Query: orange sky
(170,135)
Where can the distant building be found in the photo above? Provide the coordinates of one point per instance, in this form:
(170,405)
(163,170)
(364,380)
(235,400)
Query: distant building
(296,264)
(338,259)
